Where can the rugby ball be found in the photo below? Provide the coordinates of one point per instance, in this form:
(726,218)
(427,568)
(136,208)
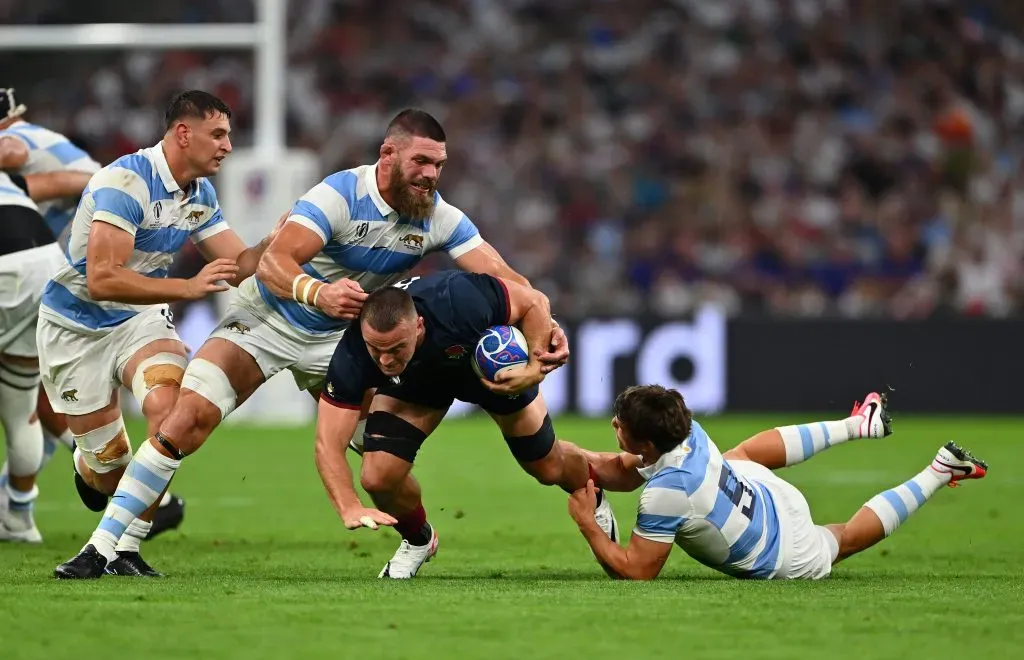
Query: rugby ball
(500,348)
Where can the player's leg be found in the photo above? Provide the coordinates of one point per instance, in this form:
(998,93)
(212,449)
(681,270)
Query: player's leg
(56,433)
(19,380)
(530,435)
(884,512)
(395,430)
(788,445)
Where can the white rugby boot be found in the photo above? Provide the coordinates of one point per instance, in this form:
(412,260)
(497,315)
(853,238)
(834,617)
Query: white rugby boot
(959,464)
(606,518)
(18,526)
(875,421)
(409,558)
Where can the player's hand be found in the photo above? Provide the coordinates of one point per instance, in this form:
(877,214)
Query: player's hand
(206,281)
(515,381)
(342,299)
(583,503)
(364,517)
(557,354)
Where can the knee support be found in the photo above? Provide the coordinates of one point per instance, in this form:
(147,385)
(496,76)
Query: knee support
(210,382)
(160,370)
(529,448)
(392,434)
(19,387)
(105,449)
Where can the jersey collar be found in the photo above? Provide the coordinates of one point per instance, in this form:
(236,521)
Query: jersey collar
(156,154)
(371,186)
(673,458)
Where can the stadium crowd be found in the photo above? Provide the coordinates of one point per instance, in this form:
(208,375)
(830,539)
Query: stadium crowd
(783,157)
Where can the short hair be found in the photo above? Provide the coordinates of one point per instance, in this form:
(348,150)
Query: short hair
(654,414)
(416,123)
(194,103)
(384,309)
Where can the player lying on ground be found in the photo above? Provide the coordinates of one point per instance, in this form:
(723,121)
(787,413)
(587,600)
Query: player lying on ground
(413,346)
(104,321)
(730,511)
(29,256)
(357,230)
(28,152)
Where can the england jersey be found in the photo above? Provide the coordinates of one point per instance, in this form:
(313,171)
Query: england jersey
(366,240)
(138,194)
(49,151)
(695,499)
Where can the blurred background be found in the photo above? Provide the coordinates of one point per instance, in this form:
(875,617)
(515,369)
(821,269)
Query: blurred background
(812,176)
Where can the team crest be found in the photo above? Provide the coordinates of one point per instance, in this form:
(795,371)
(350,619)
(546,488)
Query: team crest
(69,395)
(193,218)
(455,352)
(412,241)
(238,327)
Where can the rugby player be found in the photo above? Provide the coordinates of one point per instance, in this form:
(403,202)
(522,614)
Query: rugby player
(104,320)
(730,511)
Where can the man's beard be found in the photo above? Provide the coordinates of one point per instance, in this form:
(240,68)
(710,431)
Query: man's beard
(408,202)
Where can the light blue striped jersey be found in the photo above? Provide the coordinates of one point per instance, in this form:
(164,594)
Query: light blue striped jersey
(12,195)
(695,499)
(138,194)
(365,240)
(49,151)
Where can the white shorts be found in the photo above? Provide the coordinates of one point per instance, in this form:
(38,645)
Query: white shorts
(23,276)
(806,550)
(80,369)
(276,345)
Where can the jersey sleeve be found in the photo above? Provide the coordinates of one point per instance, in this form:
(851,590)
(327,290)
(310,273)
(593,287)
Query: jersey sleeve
(481,299)
(208,205)
(325,210)
(455,232)
(119,197)
(349,375)
(662,511)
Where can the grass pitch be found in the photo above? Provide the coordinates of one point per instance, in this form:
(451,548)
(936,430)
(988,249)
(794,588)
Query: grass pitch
(262,568)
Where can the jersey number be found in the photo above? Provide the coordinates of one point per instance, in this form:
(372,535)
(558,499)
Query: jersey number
(738,492)
(404,284)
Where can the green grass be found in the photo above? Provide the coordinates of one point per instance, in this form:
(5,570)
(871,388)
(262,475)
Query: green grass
(263,569)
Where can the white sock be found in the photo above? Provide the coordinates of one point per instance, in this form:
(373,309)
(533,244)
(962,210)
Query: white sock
(19,508)
(895,505)
(805,440)
(133,536)
(143,481)
(19,391)
(51,442)
(166,499)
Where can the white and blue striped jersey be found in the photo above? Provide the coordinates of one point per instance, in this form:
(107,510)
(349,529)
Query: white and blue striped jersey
(365,240)
(695,499)
(12,195)
(136,193)
(49,151)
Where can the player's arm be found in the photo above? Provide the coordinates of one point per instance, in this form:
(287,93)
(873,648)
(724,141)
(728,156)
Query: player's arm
(528,309)
(116,218)
(616,471)
(13,153)
(641,559)
(55,185)
(228,245)
(485,259)
(303,235)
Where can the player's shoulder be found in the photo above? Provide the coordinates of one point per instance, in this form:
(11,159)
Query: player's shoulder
(206,194)
(348,183)
(445,215)
(132,173)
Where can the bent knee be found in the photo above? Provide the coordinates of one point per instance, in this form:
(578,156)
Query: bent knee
(547,471)
(380,481)
(191,421)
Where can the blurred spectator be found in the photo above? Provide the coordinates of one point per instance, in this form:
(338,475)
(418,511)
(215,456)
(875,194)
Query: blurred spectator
(789,157)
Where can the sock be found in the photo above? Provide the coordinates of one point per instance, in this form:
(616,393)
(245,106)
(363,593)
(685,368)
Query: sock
(19,391)
(805,440)
(166,499)
(51,442)
(19,508)
(3,476)
(144,480)
(133,536)
(414,527)
(895,505)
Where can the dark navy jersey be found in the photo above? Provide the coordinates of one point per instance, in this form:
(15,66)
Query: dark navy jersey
(456,307)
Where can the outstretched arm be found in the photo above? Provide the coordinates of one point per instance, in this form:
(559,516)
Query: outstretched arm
(641,559)
(615,471)
(334,427)
(228,245)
